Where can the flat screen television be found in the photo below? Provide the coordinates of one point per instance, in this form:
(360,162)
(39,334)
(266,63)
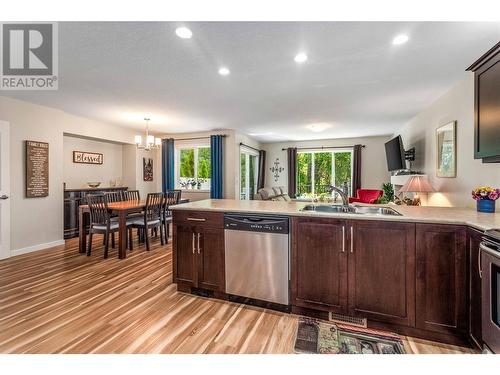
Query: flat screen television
(395,154)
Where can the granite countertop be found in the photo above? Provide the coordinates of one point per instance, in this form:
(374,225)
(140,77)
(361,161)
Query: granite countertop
(420,214)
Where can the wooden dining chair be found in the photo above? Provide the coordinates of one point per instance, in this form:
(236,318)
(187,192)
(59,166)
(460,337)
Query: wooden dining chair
(151,218)
(132,195)
(171,198)
(114,196)
(100,221)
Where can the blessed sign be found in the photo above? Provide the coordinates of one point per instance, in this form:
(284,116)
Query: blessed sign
(87,157)
(37,169)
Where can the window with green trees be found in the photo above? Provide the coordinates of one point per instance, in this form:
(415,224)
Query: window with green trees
(317,170)
(194,168)
(248,174)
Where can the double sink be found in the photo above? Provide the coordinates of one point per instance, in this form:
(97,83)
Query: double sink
(359,210)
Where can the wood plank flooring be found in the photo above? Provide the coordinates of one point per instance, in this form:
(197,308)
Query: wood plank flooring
(60,301)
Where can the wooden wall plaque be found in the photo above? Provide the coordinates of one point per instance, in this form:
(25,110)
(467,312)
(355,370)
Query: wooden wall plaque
(87,157)
(37,169)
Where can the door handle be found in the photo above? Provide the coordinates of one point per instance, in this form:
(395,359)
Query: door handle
(352,240)
(199,249)
(195,219)
(479,270)
(343,238)
(194,235)
(4,197)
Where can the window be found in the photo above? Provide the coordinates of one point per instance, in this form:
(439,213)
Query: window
(317,170)
(192,163)
(248,173)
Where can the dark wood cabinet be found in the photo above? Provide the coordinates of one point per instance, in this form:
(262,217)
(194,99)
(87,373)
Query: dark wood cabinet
(441,278)
(73,198)
(475,304)
(319,264)
(382,271)
(198,255)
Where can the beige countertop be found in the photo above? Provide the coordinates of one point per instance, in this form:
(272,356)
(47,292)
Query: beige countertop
(438,215)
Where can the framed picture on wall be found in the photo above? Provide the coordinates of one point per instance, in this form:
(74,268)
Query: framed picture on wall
(446,142)
(147,169)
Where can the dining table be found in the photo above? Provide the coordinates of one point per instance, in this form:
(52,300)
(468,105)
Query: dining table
(122,209)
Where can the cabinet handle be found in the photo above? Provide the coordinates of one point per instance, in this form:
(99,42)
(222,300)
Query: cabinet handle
(195,219)
(194,242)
(479,270)
(199,249)
(352,240)
(343,239)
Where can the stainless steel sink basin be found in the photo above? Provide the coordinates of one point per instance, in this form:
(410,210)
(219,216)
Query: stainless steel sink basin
(333,209)
(360,210)
(376,210)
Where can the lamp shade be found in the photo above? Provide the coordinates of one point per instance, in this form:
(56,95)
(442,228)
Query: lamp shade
(417,184)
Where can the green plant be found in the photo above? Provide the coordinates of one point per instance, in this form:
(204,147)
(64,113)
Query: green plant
(388,195)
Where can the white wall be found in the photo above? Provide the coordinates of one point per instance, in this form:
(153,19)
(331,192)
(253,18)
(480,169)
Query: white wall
(38,222)
(373,162)
(76,175)
(420,132)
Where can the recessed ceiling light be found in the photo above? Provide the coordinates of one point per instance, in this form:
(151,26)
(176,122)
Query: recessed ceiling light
(300,57)
(224,71)
(400,39)
(183,32)
(318,127)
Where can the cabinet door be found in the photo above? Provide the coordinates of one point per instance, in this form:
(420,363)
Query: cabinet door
(319,264)
(185,255)
(210,259)
(475,310)
(382,271)
(441,282)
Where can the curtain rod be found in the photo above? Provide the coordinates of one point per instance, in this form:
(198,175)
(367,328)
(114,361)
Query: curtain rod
(322,147)
(253,148)
(192,138)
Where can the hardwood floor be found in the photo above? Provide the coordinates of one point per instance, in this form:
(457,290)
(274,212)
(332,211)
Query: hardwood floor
(60,301)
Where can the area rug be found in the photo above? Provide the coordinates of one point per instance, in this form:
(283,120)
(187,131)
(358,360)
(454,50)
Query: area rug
(320,337)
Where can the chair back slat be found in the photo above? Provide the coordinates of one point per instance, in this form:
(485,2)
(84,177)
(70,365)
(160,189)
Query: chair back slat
(154,203)
(171,198)
(132,195)
(98,206)
(114,196)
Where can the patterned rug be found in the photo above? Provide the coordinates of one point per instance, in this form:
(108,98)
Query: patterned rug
(319,337)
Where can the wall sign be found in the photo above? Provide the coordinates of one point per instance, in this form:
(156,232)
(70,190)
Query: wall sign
(276,169)
(147,169)
(37,169)
(87,157)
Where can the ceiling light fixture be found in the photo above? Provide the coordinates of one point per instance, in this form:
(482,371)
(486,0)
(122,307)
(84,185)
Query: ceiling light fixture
(318,127)
(183,32)
(152,143)
(223,71)
(300,58)
(400,39)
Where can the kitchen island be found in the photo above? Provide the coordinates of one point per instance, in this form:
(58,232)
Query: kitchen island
(415,274)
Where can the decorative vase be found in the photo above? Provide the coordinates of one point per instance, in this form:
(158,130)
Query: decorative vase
(486,205)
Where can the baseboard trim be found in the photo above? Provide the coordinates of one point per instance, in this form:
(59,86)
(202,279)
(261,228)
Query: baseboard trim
(31,249)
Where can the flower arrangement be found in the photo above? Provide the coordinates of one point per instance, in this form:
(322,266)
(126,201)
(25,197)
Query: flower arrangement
(485,192)
(485,196)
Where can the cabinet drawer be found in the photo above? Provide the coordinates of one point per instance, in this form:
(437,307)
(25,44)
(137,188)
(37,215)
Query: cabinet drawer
(199,218)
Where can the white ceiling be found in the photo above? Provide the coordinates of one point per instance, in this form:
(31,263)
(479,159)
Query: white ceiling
(354,79)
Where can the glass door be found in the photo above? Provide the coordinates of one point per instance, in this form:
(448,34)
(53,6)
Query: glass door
(248,174)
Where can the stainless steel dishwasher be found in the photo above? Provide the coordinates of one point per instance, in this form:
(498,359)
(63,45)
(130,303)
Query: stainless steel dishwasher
(257,257)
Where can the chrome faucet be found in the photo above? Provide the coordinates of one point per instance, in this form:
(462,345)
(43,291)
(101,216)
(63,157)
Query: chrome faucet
(345,198)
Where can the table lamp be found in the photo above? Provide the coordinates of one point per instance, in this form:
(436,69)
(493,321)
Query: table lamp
(417,184)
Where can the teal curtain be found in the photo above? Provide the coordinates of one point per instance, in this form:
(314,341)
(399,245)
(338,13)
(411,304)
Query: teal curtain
(217,166)
(167,162)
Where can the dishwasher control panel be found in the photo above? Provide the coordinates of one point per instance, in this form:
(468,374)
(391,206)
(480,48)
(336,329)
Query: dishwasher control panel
(257,223)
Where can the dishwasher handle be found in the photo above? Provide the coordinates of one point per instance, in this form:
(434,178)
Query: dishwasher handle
(257,223)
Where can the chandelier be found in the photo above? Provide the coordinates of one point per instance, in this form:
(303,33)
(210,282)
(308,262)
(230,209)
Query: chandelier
(152,143)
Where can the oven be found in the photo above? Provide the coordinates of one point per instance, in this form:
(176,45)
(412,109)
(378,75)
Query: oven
(490,287)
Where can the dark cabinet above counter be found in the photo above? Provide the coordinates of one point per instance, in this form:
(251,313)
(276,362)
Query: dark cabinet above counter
(73,198)
(487,106)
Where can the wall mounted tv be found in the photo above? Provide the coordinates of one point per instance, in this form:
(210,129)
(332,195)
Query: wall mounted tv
(395,154)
